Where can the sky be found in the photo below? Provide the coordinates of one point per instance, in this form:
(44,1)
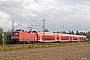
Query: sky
(59,15)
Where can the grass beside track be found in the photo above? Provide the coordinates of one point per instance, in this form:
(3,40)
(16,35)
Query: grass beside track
(33,46)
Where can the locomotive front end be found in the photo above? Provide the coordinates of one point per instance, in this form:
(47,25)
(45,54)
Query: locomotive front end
(15,37)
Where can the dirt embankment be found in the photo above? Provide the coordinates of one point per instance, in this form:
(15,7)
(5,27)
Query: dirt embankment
(78,52)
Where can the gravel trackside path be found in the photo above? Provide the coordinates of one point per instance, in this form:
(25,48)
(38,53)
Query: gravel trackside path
(78,52)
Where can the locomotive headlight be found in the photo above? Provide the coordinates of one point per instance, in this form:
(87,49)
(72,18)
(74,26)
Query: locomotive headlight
(12,37)
(15,37)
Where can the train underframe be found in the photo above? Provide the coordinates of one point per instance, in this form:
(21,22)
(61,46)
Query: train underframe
(45,41)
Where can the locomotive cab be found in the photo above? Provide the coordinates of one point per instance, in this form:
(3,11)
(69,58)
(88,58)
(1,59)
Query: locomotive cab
(15,37)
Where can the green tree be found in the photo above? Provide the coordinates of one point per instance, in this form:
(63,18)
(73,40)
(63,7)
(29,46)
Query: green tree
(88,34)
(7,37)
(72,32)
(77,32)
(82,33)
(1,31)
(57,31)
(64,32)
(60,31)
(46,30)
(54,32)
(0,38)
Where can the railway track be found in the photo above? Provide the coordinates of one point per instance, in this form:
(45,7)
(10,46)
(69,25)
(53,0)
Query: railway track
(13,45)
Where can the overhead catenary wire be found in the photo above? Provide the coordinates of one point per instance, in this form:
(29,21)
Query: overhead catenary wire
(37,22)
(40,25)
(18,24)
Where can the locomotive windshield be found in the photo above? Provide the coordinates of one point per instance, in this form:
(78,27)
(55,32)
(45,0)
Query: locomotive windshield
(15,34)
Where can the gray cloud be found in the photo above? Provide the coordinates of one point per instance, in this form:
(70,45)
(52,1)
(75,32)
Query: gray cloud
(74,2)
(72,13)
(14,9)
(37,1)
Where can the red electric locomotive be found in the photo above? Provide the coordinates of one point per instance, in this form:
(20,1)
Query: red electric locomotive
(24,37)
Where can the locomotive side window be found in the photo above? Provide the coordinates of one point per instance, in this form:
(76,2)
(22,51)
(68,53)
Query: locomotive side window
(75,38)
(65,39)
(48,38)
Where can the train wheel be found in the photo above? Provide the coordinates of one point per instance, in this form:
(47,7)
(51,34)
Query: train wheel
(56,41)
(31,42)
(17,41)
